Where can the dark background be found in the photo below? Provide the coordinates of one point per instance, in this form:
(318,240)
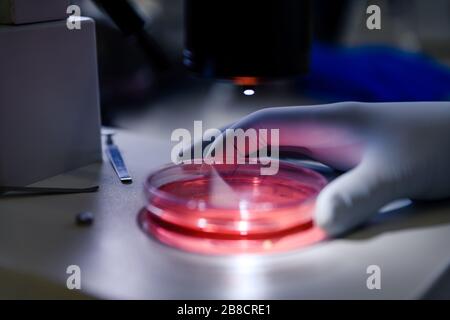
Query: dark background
(405,58)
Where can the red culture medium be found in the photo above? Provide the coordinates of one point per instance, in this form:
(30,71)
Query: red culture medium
(232,209)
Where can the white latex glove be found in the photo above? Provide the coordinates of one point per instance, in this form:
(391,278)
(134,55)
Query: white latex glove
(391,151)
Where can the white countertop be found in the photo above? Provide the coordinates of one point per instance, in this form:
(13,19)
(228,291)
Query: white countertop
(39,239)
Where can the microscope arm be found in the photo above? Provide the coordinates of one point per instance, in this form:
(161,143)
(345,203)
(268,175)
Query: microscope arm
(132,24)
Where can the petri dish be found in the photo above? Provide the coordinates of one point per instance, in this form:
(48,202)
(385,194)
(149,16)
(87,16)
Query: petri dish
(231,209)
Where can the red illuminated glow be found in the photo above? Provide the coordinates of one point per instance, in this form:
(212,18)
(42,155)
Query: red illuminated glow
(231,209)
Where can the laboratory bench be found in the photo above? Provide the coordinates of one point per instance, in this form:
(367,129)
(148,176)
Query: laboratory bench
(39,239)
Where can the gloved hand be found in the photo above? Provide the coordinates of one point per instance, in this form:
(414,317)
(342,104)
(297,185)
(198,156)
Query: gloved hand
(390,150)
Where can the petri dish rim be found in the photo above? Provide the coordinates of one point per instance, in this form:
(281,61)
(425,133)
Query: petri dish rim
(155,191)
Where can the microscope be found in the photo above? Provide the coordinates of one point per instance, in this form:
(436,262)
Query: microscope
(247,42)
(49,101)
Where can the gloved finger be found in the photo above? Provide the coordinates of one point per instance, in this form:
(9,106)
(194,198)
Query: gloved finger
(326,133)
(354,197)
